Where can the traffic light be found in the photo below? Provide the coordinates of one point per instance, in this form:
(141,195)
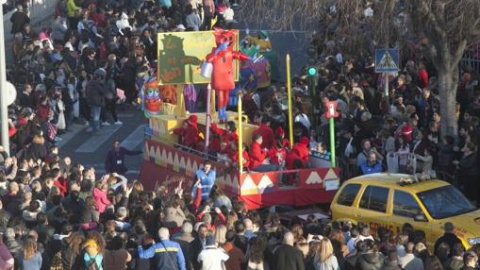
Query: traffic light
(312,67)
(312,79)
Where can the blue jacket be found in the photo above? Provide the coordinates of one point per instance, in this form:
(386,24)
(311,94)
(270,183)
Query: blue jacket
(207,181)
(166,256)
(367,169)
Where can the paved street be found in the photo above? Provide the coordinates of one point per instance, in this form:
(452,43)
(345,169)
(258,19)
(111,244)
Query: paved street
(90,150)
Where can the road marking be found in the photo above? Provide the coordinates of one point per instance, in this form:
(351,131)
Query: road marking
(95,141)
(74,130)
(134,139)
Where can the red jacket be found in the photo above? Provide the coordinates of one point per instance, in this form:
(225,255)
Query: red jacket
(422,77)
(300,152)
(189,135)
(61,183)
(267,135)
(257,155)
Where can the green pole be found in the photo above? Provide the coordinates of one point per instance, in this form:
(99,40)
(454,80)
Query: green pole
(332,140)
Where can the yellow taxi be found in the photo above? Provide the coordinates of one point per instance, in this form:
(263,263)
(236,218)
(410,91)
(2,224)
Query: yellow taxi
(390,200)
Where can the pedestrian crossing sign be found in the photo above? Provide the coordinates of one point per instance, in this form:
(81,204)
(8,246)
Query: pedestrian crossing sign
(386,60)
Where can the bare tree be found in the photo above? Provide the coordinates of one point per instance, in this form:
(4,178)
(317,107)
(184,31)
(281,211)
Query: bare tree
(449,26)
(445,27)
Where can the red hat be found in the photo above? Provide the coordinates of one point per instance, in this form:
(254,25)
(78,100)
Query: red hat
(304,140)
(193,119)
(280,131)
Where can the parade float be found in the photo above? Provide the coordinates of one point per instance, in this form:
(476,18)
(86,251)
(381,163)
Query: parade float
(212,59)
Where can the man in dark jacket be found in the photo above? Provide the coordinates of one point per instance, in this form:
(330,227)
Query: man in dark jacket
(167,255)
(185,239)
(96,97)
(351,261)
(240,240)
(448,237)
(288,257)
(199,244)
(19,19)
(114,162)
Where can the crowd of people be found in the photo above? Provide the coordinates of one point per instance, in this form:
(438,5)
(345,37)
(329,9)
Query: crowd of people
(56,214)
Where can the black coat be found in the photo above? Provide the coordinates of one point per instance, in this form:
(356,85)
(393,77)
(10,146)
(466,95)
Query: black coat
(19,19)
(288,258)
(195,248)
(449,238)
(95,93)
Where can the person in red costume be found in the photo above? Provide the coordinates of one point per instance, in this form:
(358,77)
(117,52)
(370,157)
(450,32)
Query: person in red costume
(221,59)
(189,132)
(278,154)
(281,138)
(258,156)
(266,132)
(233,155)
(231,133)
(215,138)
(298,157)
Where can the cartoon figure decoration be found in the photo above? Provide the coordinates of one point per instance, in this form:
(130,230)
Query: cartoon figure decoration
(169,93)
(151,98)
(222,77)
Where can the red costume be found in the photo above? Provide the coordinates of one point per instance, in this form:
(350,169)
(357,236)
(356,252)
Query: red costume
(221,59)
(257,155)
(277,154)
(233,155)
(189,134)
(267,135)
(285,142)
(299,152)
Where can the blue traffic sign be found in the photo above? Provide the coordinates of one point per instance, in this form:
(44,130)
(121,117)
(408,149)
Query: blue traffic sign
(386,60)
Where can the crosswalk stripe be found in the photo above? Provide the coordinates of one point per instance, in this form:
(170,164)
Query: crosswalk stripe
(73,131)
(134,139)
(95,141)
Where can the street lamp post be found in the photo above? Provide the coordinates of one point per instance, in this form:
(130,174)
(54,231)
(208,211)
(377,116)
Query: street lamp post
(3,79)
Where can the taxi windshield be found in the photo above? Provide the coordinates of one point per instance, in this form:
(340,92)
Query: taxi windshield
(445,202)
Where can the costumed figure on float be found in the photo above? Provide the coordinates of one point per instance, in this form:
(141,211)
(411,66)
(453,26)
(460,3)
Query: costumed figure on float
(151,100)
(221,58)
